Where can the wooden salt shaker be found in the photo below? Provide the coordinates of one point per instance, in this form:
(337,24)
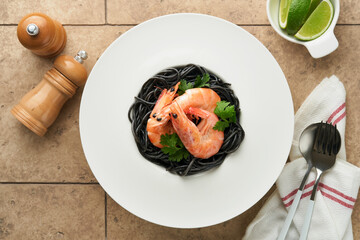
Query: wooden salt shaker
(41,34)
(39,108)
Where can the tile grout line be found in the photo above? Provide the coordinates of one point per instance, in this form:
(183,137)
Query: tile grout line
(50,183)
(105,215)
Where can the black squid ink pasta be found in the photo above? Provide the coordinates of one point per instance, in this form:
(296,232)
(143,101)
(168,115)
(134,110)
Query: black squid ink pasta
(145,101)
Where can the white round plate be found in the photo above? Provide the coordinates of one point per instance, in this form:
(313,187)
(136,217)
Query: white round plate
(149,191)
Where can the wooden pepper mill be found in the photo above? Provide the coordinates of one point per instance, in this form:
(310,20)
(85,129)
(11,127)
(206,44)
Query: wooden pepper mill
(39,108)
(41,34)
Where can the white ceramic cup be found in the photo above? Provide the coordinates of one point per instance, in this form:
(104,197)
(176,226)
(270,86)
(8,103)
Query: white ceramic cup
(319,47)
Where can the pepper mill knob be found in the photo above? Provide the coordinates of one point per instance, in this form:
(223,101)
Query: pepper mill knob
(32,29)
(81,56)
(39,108)
(41,34)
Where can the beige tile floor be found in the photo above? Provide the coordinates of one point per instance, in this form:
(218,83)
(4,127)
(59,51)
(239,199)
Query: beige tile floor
(47,190)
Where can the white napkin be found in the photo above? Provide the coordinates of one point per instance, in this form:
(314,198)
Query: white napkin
(338,188)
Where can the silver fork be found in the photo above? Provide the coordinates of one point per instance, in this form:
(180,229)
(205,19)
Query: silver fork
(326,145)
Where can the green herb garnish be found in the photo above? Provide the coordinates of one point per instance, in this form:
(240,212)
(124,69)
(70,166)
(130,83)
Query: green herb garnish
(226,113)
(202,81)
(174,147)
(199,82)
(183,86)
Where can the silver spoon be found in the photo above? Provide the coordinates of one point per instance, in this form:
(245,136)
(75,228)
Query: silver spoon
(323,153)
(306,143)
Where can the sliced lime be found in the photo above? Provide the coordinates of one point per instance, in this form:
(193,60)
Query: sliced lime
(298,11)
(317,23)
(313,5)
(283,13)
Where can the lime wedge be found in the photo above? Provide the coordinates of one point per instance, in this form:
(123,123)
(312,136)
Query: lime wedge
(317,23)
(283,13)
(313,5)
(298,11)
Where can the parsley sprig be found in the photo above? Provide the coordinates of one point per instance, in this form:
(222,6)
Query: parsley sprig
(226,113)
(174,147)
(199,82)
(183,86)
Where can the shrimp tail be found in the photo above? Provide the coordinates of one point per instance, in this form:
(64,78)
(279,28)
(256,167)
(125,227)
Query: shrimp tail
(201,141)
(197,112)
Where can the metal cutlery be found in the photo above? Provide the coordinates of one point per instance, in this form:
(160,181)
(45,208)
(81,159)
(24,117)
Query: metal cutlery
(326,146)
(306,142)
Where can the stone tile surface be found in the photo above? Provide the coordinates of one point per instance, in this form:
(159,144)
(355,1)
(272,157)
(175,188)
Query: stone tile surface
(64,11)
(124,225)
(51,212)
(58,156)
(239,12)
(137,11)
(356,219)
(349,12)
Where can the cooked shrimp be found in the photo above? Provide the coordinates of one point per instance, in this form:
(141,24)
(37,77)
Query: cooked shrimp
(204,98)
(201,141)
(158,123)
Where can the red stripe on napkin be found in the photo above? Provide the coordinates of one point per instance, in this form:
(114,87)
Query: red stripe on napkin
(337,192)
(337,200)
(321,185)
(325,195)
(289,195)
(294,191)
(336,112)
(339,118)
(304,195)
